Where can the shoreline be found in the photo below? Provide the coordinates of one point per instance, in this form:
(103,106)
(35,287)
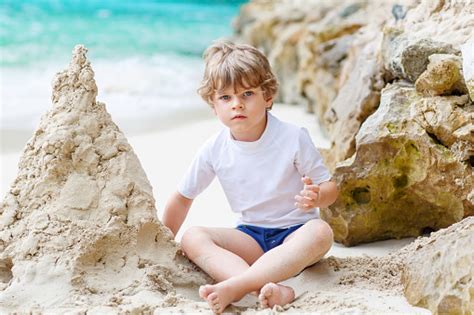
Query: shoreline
(14,140)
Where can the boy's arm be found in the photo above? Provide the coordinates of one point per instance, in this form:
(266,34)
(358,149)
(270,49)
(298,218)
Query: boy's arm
(176,211)
(327,193)
(322,195)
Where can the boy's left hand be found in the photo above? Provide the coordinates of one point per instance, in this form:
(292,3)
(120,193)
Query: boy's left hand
(309,196)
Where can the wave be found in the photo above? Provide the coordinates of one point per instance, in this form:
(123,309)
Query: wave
(135,90)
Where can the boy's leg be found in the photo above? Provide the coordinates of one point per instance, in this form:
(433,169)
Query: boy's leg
(272,294)
(306,246)
(221,252)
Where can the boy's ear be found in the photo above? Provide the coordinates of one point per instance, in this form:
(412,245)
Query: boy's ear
(269,101)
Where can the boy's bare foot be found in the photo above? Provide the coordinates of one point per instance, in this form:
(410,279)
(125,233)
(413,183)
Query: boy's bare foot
(204,291)
(220,295)
(275,294)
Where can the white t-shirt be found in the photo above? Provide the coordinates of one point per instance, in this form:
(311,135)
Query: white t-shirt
(260,178)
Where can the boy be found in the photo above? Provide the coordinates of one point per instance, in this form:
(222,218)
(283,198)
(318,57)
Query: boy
(264,165)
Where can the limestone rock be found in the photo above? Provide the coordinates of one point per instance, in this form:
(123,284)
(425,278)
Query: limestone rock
(404,179)
(439,271)
(443,76)
(432,27)
(278,29)
(449,121)
(335,58)
(78,227)
(307,43)
(261,23)
(406,58)
(285,59)
(322,51)
(468,66)
(358,97)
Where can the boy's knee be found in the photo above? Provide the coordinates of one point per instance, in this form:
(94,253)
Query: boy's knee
(327,235)
(323,237)
(192,239)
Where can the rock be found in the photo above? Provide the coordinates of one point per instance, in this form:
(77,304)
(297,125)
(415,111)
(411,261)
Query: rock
(449,121)
(322,51)
(285,59)
(468,66)
(78,226)
(261,22)
(279,29)
(399,12)
(335,58)
(430,27)
(399,182)
(322,55)
(358,97)
(306,45)
(443,76)
(439,270)
(408,59)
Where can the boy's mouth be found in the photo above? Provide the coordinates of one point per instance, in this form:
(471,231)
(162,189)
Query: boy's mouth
(239,117)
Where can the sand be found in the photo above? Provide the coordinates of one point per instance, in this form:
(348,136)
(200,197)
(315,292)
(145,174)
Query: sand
(341,285)
(68,252)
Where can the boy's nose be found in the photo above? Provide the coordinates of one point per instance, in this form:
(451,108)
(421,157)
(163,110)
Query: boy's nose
(237,103)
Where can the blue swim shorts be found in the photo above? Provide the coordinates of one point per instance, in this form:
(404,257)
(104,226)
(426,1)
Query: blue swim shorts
(267,238)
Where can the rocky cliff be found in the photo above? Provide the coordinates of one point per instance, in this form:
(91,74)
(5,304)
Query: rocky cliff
(391,82)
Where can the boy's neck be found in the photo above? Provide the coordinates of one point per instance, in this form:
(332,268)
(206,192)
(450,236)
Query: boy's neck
(251,137)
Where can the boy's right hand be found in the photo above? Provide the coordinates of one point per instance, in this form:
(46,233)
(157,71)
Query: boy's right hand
(309,196)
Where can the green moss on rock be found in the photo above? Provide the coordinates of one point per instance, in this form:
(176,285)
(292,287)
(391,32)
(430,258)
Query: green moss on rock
(394,200)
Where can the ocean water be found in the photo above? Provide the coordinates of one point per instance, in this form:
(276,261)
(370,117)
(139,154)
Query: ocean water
(146,55)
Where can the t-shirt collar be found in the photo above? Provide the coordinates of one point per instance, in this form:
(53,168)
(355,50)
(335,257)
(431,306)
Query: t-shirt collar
(263,140)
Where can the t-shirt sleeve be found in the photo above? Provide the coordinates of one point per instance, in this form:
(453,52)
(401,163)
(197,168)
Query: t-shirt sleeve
(309,161)
(199,174)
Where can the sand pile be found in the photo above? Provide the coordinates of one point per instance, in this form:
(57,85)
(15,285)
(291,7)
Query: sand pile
(353,284)
(435,272)
(78,228)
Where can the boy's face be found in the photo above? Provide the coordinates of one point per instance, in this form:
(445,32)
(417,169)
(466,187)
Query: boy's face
(243,111)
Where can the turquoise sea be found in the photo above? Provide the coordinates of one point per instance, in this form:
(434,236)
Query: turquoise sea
(146,54)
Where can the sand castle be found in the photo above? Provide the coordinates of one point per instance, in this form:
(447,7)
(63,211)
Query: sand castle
(78,227)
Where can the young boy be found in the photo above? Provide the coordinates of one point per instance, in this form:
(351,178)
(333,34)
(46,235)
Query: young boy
(272,175)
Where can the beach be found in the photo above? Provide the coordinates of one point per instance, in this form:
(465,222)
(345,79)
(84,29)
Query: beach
(93,146)
(165,155)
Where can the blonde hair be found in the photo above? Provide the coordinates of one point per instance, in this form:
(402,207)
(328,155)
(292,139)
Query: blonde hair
(235,65)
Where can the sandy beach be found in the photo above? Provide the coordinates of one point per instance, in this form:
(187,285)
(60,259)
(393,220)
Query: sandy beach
(166,153)
(90,155)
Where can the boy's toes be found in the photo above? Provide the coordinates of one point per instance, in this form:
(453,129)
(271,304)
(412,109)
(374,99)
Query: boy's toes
(267,290)
(263,302)
(204,291)
(213,302)
(265,293)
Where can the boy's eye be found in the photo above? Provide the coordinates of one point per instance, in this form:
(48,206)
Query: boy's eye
(224,97)
(248,93)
